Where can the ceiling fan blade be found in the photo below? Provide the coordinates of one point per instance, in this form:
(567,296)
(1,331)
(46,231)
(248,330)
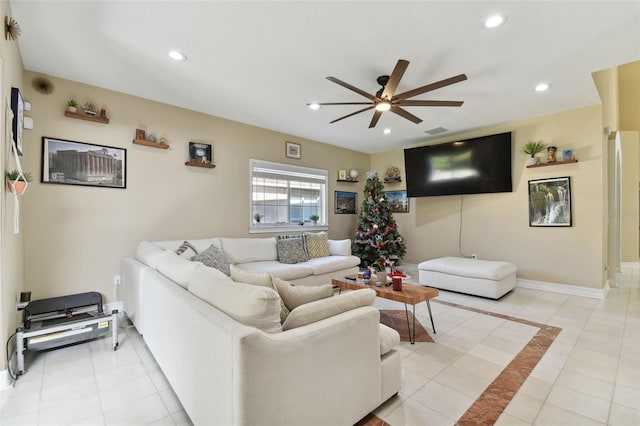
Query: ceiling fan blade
(406,114)
(341,103)
(353,88)
(374,120)
(394,78)
(352,114)
(430,103)
(429,87)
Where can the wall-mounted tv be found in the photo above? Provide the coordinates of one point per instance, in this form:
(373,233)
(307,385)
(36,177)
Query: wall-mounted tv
(471,166)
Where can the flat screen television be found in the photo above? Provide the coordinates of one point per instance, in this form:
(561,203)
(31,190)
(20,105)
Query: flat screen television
(471,166)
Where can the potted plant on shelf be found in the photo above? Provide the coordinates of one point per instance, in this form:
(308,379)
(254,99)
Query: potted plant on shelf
(16,182)
(257,217)
(532,148)
(72,105)
(314,218)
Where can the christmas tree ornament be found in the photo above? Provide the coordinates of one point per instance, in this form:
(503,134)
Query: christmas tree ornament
(372,174)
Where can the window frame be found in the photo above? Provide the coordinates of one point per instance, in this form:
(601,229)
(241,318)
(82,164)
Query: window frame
(288,227)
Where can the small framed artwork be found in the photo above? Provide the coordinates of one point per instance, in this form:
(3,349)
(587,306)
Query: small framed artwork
(200,152)
(398,201)
(550,202)
(567,155)
(345,202)
(293,150)
(17,107)
(342,175)
(79,163)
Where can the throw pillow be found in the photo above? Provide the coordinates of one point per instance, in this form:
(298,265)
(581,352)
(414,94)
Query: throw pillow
(187,249)
(213,257)
(294,296)
(340,247)
(291,250)
(325,308)
(251,305)
(148,253)
(317,244)
(262,279)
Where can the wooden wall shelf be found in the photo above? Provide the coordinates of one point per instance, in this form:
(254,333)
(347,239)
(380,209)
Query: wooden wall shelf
(347,181)
(199,164)
(392,180)
(557,163)
(88,117)
(151,144)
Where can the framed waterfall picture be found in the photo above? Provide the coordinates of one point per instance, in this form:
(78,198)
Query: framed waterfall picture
(80,163)
(17,107)
(345,202)
(550,202)
(398,201)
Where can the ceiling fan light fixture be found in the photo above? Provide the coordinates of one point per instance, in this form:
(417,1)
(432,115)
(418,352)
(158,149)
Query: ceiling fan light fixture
(383,106)
(177,56)
(541,87)
(494,21)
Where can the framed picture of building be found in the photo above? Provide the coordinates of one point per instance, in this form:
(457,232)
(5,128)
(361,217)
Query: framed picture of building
(550,202)
(398,201)
(345,202)
(79,163)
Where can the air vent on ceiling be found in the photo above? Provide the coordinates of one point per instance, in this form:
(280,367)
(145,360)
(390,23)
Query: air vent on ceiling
(436,130)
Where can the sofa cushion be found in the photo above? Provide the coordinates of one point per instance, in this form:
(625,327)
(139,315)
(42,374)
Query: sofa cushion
(176,268)
(249,277)
(186,249)
(244,250)
(317,245)
(325,265)
(294,296)
(389,339)
(340,247)
(325,308)
(280,270)
(291,250)
(251,305)
(148,253)
(204,277)
(213,257)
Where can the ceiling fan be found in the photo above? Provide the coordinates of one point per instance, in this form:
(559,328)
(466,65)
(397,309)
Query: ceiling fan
(385,100)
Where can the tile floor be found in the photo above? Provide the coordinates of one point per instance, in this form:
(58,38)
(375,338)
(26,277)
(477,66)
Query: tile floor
(590,374)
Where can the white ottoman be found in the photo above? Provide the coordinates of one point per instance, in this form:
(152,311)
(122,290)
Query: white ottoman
(484,278)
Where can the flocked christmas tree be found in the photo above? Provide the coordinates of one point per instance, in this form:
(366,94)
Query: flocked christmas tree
(377,234)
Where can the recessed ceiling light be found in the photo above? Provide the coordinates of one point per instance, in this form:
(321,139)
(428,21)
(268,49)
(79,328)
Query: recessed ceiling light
(177,56)
(541,87)
(387,131)
(495,21)
(314,106)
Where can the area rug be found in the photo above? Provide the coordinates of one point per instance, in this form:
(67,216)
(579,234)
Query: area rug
(397,319)
(372,420)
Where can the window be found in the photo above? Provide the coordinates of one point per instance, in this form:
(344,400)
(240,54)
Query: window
(286,196)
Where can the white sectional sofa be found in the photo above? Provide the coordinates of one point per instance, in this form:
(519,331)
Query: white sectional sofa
(330,363)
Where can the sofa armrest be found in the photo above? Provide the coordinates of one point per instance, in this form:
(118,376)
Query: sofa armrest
(329,362)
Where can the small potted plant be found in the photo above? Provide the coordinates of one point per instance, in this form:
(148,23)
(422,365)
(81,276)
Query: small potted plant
(16,182)
(72,105)
(257,217)
(532,148)
(314,218)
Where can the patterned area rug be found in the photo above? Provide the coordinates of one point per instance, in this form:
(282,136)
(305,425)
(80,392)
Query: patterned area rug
(397,319)
(372,420)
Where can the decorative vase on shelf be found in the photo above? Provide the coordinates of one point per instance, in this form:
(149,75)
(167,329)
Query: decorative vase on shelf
(551,154)
(353,174)
(532,161)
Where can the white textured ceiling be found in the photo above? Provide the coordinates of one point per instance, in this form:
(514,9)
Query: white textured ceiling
(260,62)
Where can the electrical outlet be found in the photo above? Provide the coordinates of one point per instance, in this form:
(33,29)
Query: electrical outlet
(116,280)
(474,256)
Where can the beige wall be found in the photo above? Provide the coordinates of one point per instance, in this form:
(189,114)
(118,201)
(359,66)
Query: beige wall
(11,245)
(75,236)
(629,214)
(496,226)
(629,98)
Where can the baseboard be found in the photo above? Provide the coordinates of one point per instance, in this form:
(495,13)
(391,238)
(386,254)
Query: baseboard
(5,380)
(630,265)
(574,290)
(109,307)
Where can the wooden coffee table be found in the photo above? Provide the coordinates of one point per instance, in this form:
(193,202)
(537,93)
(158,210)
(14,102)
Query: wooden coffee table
(410,294)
